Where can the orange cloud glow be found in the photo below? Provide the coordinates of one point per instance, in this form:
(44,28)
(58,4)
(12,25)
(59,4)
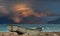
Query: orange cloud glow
(25,11)
(16,19)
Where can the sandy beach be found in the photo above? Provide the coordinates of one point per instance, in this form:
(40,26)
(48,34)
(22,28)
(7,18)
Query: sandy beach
(41,34)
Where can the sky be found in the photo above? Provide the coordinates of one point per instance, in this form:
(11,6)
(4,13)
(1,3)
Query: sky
(29,11)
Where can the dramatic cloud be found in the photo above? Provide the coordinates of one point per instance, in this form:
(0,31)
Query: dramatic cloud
(23,11)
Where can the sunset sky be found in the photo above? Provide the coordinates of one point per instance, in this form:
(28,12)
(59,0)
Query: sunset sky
(29,11)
